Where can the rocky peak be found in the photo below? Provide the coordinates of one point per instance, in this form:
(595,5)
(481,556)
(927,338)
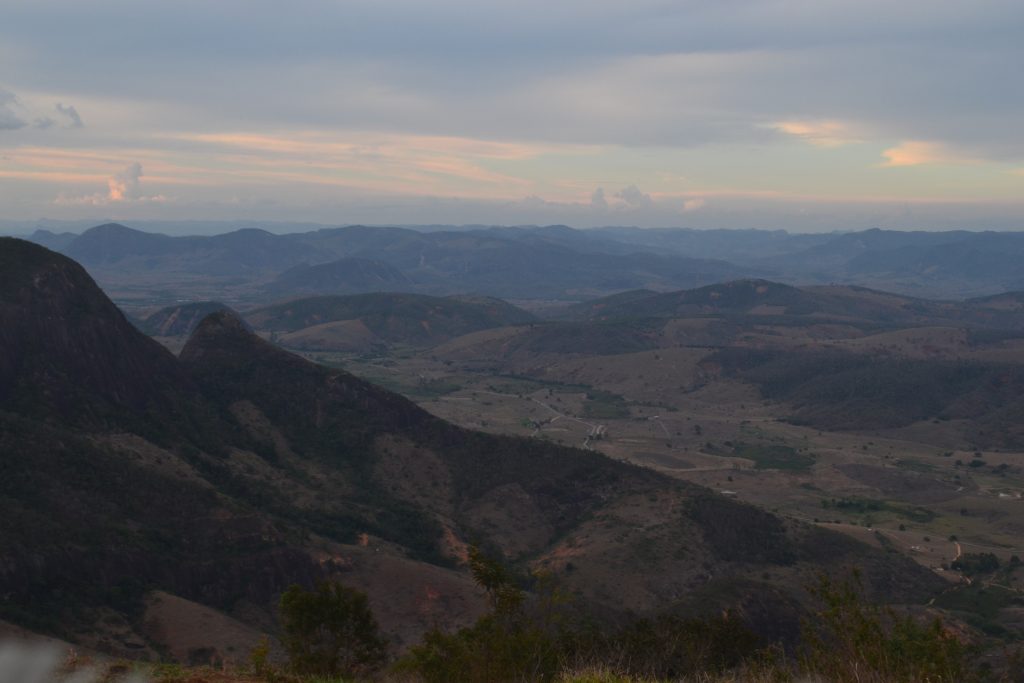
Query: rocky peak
(65,348)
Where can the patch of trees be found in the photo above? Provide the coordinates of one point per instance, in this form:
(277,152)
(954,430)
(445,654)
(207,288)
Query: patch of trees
(867,505)
(976,563)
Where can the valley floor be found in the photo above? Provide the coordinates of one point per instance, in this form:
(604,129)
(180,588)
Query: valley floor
(919,490)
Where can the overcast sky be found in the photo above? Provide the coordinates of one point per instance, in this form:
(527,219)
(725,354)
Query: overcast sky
(800,114)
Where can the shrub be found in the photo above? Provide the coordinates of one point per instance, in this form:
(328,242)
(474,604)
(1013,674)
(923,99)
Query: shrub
(852,640)
(540,637)
(507,644)
(330,631)
(670,647)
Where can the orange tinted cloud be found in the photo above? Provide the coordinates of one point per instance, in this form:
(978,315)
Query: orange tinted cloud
(918,152)
(826,133)
(320,144)
(384,162)
(73,165)
(53,176)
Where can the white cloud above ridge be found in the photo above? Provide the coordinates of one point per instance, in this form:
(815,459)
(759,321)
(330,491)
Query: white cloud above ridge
(123,187)
(632,196)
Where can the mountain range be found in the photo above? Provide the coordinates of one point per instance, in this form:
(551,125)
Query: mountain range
(132,478)
(551,262)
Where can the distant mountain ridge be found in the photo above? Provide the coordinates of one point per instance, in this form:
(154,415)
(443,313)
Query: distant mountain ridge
(491,262)
(931,264)
(52,240)
(558,261)
(240,252)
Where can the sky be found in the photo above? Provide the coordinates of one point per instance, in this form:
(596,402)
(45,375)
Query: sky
(808,115)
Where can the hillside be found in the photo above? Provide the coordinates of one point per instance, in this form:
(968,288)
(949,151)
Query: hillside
(344,276)
(53,240)
(340,322)
(753,300)
(755,297)
(227,474)
(946,264)
(69,354)
(506,263)
(847,391)
(178,321)
(614,305)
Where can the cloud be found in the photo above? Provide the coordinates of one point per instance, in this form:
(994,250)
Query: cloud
(919,152)
(533,202)
(9,119)
(819,133)
(378,162)
(733,96)
(123,187)
(636,202)
(634,197)
(597,72)
(71,114)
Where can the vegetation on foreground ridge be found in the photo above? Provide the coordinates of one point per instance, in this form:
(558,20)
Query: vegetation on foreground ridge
(330,636)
